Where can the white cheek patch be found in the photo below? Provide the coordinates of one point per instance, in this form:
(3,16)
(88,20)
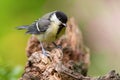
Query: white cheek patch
(55,19)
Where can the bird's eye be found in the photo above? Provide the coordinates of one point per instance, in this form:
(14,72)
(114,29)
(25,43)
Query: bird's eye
(59,18)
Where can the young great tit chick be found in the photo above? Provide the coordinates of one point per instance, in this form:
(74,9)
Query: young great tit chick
(48,28)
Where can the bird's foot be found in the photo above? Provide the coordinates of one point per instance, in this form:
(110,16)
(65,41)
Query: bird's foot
(45,53)
(57,46)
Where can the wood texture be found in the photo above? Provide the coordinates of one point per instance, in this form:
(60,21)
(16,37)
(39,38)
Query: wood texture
(68,62)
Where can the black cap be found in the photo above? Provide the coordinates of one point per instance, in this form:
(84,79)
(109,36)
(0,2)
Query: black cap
(61,16)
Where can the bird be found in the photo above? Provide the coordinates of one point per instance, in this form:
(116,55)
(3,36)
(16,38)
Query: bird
(47,28)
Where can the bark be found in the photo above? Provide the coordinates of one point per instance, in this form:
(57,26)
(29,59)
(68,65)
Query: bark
(68,62)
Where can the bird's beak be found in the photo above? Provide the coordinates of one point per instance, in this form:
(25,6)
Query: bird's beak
(64,24)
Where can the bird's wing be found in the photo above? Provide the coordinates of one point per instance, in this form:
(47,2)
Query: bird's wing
(43,24)
(38,27)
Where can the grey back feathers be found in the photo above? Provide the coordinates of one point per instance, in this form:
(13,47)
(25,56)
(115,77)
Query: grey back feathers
(43,25)
(37,29)
(48,15)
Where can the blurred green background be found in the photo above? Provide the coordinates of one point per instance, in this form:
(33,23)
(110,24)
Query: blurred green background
(98,20)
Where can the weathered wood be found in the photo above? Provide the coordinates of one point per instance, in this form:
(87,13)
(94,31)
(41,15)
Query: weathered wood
(70,62)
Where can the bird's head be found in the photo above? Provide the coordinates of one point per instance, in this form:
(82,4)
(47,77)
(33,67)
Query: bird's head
(59,18)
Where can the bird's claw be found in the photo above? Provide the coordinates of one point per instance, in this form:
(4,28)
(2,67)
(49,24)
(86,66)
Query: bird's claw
(45,53)
(57,46)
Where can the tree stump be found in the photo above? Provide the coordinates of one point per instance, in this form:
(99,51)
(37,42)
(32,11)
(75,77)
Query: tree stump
(68,62)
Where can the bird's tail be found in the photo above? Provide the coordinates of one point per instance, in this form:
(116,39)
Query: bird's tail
(22,27)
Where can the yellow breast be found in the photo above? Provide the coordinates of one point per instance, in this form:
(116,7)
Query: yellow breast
(50,34)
